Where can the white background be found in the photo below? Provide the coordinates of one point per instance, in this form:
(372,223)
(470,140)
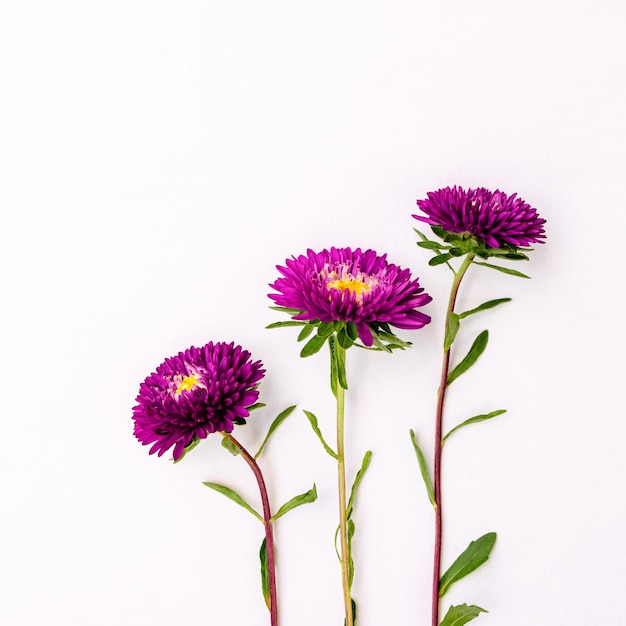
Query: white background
(158,159)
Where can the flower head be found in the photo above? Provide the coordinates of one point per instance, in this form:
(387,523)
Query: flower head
(491,217)
(197,392)
(348,285)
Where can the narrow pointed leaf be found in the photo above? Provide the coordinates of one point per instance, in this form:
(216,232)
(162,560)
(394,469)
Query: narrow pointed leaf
(440,259)
(338,365)
(286,309)
(352,331)
(357,480)
(451,330)
(256,405)
(314,425)
(393,341)
(333,364)
(265,574)
(461,614)
(474,420)
(280,418)
(505,270)
(303,498)
(344,339)
(325,329)
(234,496)
(305,332)
(484,306)
(424,470)
(478,347)
(351,529)
(283,324)
(470,559)
(430,245)
(313,345)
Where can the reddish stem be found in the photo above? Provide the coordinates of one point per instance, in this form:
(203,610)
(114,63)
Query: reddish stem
(267,521)
(441,396)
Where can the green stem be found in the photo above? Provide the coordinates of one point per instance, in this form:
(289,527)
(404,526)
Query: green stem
(340,355)
(267,522)
(441,396)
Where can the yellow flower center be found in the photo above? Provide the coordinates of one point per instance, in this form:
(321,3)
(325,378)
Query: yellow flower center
(187,383)
(349,283)
(340,279)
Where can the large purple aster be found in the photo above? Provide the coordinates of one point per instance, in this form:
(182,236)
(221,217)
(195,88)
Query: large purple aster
(490,216)
(347,285)
(197,392)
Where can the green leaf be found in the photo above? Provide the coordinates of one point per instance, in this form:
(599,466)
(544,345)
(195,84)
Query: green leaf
(234,496)
(393,341)
(256,405)
(265,574)
(484,306)
(457,251)
(283,324)
(313,421)
(286,309)
(452,329)
(353,613)
(325,329)
(430,245)
(337,363)
(357,480)
(474,420)
(188,449)
(313,345)
(230,446)
(461,614)
(478,347)
(280,418)
(470,559)
(352,331)
(351,528)
(424,470)
(505,270)
(440,259)
(303,498)
(305,332)
(344,340)
(440,232)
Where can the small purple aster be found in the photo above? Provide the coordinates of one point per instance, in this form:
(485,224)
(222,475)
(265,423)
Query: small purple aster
(491,217)
(197,392)
(347,285)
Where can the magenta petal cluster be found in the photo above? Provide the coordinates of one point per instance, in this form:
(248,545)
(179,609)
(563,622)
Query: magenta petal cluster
(348,285)
(197,392)
(490,216)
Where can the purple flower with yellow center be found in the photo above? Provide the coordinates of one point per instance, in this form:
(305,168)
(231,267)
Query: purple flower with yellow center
(197,392)
(491,217)
(348,285)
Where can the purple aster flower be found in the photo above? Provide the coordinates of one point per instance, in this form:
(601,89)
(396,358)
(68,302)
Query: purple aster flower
(197,392)
(491,217)
(347,285)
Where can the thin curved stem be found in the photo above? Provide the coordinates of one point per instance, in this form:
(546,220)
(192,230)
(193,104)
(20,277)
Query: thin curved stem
(441,396)
(267,522)
(343,502)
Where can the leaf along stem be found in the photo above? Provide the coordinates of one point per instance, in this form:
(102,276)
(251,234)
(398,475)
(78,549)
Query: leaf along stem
(441,396)
(267,522)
